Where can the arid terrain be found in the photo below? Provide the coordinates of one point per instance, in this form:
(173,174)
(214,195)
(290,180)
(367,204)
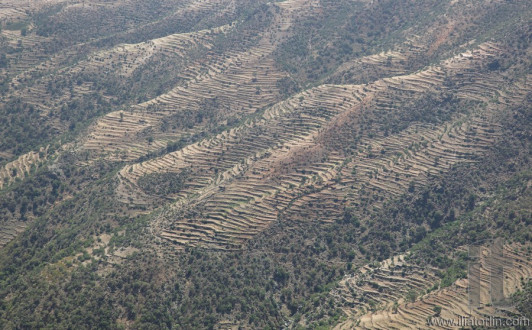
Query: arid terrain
(252,164)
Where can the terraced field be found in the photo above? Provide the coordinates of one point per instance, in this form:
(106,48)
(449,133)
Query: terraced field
(254,164)
(380,294)
(21,167)
(10,230)
(291,160)
(240,82)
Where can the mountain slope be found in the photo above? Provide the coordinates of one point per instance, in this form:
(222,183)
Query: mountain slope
(225,164)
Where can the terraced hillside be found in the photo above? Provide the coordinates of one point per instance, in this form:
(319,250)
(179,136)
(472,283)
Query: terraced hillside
(257,164)
(393,296)
(294,161)
(21,167)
